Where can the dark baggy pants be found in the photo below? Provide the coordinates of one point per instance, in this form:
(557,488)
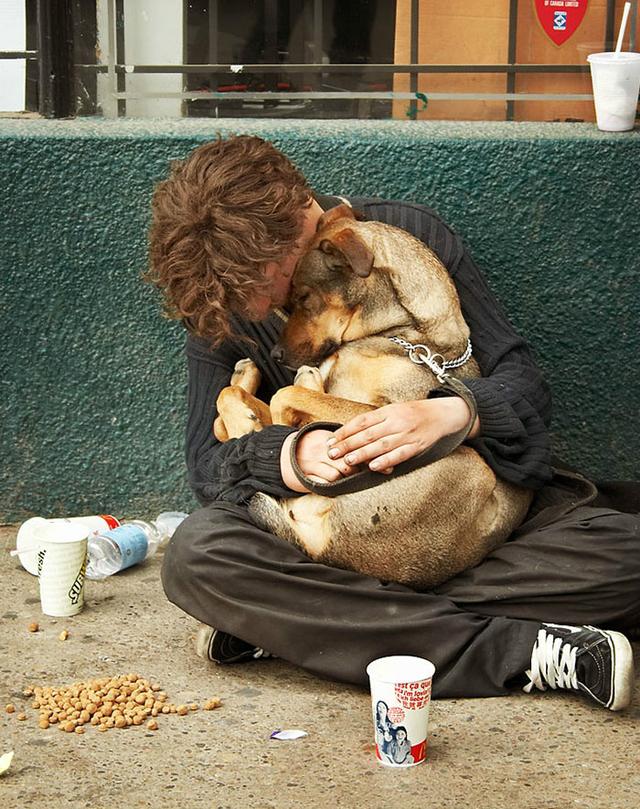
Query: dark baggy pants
(575,560)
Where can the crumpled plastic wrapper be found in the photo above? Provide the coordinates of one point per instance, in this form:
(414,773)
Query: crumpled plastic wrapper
(5,762)
(287,735)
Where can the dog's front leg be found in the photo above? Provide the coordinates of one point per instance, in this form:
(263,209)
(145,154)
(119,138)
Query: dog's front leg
(309,377)
(296,406)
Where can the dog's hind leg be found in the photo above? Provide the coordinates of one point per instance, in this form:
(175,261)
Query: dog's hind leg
(239,413)
(302,521)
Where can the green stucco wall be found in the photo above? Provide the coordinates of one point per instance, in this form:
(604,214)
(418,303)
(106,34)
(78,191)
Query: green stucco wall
(92,382)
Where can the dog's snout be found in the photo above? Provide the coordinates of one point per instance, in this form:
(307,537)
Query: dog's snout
(277,353)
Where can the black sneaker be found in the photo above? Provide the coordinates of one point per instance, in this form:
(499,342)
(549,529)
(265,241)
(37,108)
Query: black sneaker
(221,647)
(583,658)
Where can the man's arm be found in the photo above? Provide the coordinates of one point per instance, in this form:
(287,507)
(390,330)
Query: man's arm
(514,400)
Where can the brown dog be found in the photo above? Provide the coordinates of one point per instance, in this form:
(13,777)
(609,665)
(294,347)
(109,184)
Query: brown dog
(358,284)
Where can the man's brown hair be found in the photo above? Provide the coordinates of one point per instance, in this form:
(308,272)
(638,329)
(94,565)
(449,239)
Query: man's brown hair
(231,206)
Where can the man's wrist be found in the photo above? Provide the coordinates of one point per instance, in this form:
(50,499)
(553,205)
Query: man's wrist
(459,414)
(474,432)
(289,477)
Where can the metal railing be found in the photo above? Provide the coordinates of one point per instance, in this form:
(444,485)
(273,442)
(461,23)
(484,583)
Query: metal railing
(57,70)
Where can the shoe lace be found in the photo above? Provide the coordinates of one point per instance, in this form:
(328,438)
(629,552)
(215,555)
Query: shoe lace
(553,663)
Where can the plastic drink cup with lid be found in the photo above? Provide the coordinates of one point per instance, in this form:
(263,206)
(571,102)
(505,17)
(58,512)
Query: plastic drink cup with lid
(616,82)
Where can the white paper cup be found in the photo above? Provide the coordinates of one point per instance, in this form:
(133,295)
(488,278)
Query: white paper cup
(62,560)
(616,81)
(400,698)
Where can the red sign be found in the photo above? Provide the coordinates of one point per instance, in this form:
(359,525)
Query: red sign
(560,18)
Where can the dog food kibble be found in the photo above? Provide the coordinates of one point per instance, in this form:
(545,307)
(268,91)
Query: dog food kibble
(21,716)
(212,704)
(33,627)
(63,635)
(105,702)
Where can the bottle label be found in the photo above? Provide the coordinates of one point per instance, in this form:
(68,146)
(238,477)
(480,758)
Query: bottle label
(110,520)
(132,541)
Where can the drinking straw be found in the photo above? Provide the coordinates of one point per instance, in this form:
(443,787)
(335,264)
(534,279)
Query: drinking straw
(623,25)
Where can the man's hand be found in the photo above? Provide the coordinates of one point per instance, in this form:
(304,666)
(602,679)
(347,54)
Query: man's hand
(396,432)
(312,457)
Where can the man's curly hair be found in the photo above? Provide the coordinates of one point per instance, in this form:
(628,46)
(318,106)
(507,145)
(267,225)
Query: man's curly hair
(231,206)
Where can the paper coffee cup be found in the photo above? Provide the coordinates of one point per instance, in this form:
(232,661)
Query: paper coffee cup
(616,81)
(62,560)
(400,699)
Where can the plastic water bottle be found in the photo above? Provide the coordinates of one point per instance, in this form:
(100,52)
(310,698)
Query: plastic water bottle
(109,552)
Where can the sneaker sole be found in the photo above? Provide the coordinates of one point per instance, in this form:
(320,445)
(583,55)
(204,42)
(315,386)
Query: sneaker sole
(203,641)
(622,669)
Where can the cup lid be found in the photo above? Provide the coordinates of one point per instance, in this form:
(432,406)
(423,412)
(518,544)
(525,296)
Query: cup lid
(400,669)
(60,531)
(612,56)
(27,544)
(37,530)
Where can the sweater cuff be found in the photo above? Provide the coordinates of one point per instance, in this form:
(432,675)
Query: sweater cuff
(497,416)
(264,465)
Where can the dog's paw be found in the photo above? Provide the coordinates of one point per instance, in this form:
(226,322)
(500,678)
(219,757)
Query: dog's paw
(246,375)
(241,412)
(310,378)
(220,429)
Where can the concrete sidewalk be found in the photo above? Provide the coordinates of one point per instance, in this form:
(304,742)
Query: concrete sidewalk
(547,751)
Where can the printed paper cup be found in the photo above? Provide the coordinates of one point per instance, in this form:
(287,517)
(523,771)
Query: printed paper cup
(62,560)
(400,698)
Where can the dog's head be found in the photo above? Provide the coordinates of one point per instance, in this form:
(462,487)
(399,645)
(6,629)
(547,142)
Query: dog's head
(327,290)
(355,281)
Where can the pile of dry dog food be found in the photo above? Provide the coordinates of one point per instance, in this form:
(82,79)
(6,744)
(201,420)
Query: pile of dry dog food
(106,702)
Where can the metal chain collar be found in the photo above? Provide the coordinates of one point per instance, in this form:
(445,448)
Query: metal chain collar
(436,363)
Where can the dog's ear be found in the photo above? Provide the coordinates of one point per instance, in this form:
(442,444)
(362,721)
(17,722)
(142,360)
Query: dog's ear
(349,250)
(333,214)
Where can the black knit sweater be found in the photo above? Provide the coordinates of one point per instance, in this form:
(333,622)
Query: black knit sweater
(514,402)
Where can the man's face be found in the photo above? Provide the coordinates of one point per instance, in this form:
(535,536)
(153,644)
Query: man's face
(279,273)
